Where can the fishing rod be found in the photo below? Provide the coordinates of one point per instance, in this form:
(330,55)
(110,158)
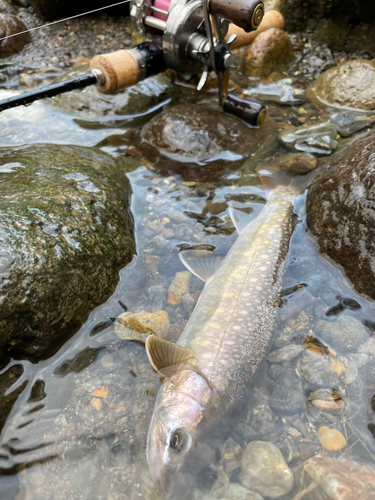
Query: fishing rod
(188,36)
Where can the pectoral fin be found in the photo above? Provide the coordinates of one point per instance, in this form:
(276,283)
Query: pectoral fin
(202,263)
(166,357)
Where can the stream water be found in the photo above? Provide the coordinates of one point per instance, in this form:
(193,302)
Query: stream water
(78,425)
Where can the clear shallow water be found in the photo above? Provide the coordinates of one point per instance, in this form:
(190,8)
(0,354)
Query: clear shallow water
(79,422)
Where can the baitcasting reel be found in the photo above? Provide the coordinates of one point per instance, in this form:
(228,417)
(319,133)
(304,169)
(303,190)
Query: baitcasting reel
(188,36)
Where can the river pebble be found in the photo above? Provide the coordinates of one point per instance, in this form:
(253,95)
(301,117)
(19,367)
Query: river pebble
(327,401)
(270,52)
(297,163)
(286,394)
(265,470)
(367,347)
(318,138)
(285,354)
(331,439)
(233,491)
(316,369)
(344,334)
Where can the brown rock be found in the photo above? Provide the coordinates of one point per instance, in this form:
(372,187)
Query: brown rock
(297,163)
(339,212)
(96,404)
(331,439)
(271,51)
(152,263)
(10,25)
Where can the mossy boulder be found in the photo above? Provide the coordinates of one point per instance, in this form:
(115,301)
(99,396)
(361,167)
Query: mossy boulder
(65,231)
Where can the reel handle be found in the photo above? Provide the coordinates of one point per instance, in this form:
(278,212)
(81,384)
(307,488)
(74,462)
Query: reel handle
(247,14)
(250,112)
(271,19)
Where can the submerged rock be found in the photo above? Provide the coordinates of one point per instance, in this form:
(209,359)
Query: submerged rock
(342,479)
(297,163)
(271,51)
(144,323)
(233,491)
(265,470)
(339,212)
(191,140)
(65,233)
(280,91)
(319,138)
(331,439)
(350,85)
(318,370)
(10,25)
(92,104)
(345,333)
(286,394)
(348,124)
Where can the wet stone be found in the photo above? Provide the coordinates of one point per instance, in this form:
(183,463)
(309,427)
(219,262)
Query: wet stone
(265,471)
(367,347)
(286,394)
(331,439)
(318,138)
(297,163)
(317,369)
(342,479)
(179,287)
(288,447)
(280,91)
(143,323)
(233,491)
(344,334)
(65,235)
(285,354)
(10,25)
(326,401)
(188,302)
(348,124)
(271,51)
(350,85)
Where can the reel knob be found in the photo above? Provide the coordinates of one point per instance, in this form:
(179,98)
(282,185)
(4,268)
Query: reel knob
(250,112)
(247,14)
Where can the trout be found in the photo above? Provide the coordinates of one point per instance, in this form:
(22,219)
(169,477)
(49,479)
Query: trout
(227,337)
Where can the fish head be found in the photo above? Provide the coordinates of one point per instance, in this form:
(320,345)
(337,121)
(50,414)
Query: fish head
(179,414)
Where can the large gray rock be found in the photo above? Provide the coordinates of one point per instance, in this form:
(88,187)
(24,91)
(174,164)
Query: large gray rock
(65,231)
(340,212)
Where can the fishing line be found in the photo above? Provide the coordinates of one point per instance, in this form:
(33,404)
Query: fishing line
(66,19)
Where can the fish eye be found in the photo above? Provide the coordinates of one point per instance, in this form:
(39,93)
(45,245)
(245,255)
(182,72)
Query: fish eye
(180,441)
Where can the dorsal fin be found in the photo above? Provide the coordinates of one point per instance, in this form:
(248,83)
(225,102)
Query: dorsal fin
(166,357)
(202,263)
(240,218)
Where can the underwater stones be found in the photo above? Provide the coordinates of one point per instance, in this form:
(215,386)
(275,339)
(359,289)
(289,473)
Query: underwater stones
(188,140)
(318,369)
(265,470)
(92,104)
(350,85)
(65,234)
(331,439)
(179,287)
(286,394)
(143,323)
(318,138)
(10,25)
(347,123)
(338,212)
(342,479)
(326,401)
(270,52)
(344,334)
(233,491)
(297,163)
(285,354)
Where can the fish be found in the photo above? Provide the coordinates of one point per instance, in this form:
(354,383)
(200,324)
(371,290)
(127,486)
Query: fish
(228,335)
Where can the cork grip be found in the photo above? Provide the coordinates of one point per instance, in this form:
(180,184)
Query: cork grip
(271,19)
(120,70)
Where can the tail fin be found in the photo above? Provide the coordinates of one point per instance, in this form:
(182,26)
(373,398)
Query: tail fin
(273,178)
